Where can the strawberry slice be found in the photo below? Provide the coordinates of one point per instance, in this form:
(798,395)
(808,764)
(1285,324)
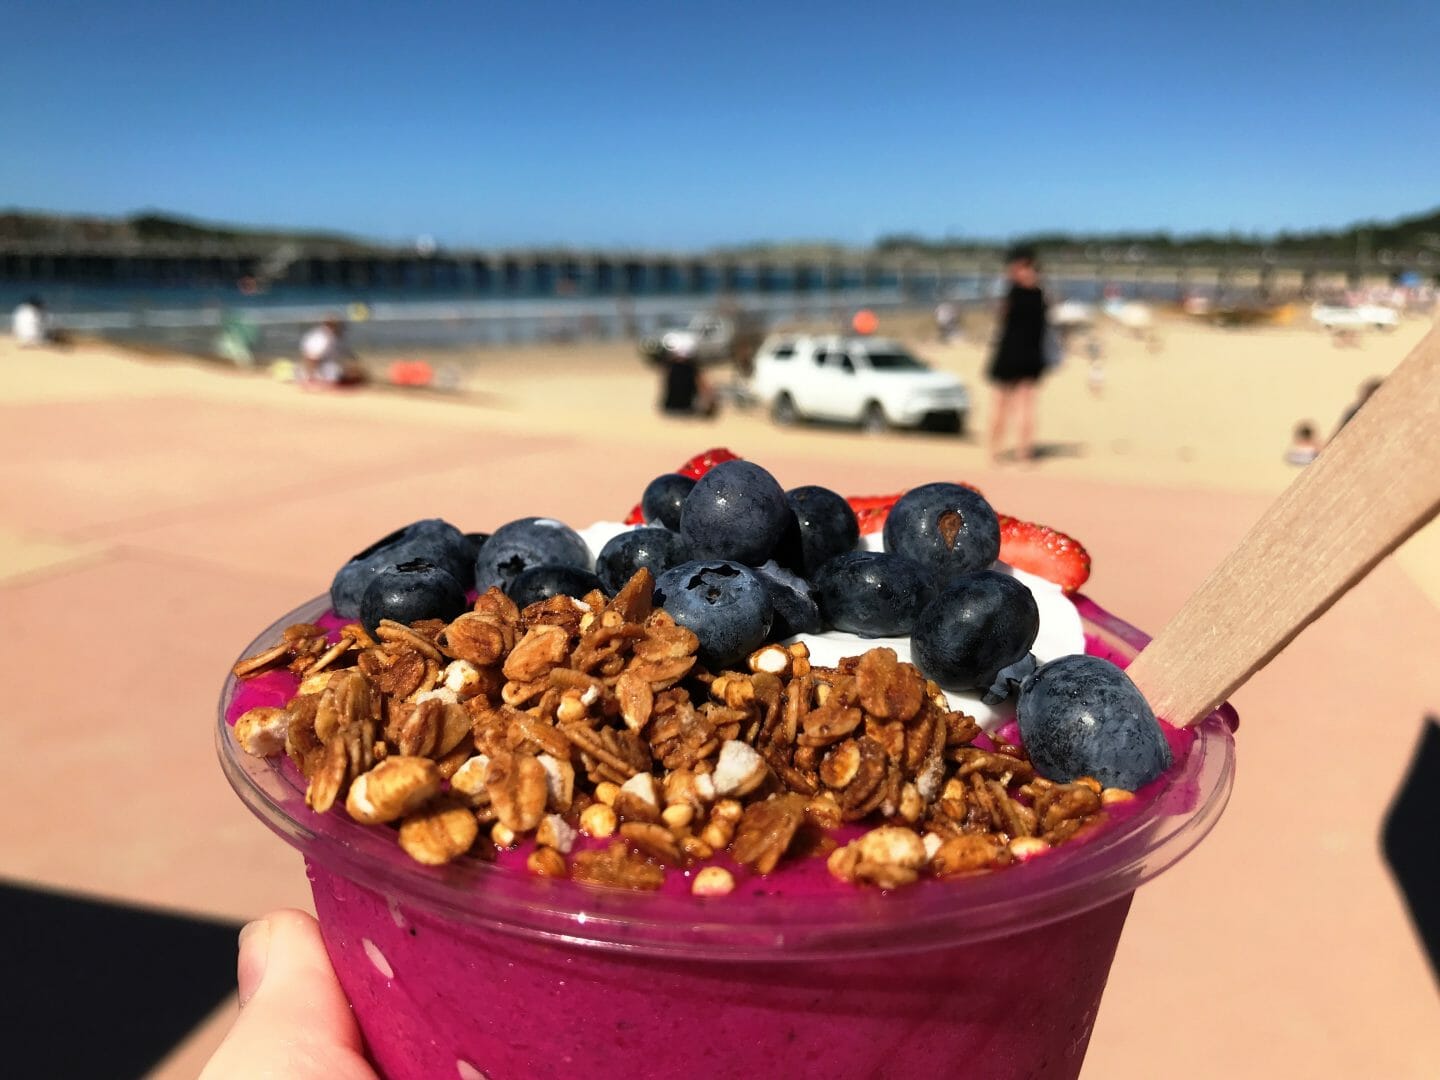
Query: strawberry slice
(695,468)
(872,510)
(1045,552)
(700,464)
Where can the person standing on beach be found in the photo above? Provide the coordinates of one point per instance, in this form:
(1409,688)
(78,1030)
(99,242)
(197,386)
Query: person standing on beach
(947,322)
(1367,388)
(1019,357)
(1095,377)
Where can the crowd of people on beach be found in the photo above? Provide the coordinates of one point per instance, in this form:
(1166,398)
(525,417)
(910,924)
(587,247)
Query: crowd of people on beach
(1027,345)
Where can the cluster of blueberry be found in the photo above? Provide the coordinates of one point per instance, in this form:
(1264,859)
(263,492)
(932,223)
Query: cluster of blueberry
(740,561)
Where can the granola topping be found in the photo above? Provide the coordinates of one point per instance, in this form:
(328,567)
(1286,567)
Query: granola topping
(588,734)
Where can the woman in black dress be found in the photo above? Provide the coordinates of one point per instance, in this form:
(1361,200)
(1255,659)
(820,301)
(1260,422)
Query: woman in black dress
(1019,358)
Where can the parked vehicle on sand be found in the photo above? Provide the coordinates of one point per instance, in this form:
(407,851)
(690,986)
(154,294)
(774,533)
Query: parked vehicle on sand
(874,382)
(1357,317)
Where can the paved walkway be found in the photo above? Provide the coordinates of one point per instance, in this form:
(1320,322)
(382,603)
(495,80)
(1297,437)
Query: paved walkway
(154,516)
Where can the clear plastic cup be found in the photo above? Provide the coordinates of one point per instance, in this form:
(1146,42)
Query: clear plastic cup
(475,970)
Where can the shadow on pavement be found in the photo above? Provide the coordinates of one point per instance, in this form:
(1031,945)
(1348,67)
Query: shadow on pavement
(1043,451)
(1059,450)
(103,989)
(1408,840)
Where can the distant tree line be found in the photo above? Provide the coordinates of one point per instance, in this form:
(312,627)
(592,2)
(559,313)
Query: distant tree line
(149,228)
(1405,236)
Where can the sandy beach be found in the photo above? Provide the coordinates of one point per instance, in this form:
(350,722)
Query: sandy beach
(157,512)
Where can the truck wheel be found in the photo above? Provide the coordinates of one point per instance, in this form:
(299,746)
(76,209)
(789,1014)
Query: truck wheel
(783,411)
(873,420)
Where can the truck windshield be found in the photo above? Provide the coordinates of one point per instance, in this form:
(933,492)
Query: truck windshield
(895,361)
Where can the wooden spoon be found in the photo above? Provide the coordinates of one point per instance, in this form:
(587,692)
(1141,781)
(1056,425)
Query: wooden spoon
(1375,483)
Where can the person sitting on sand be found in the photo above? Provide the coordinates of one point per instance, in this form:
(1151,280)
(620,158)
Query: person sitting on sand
(30,323)
(325,357)
(1304,447)
(685,389)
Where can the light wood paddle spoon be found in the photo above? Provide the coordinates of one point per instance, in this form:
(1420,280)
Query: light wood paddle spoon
(1373,485)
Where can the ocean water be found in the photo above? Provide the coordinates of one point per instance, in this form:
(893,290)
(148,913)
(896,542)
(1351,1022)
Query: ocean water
(193,316)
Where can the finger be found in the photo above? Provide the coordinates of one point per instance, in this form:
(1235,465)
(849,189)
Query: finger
(294,1021)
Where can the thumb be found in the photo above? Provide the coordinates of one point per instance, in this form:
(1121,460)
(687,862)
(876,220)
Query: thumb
(294,1020)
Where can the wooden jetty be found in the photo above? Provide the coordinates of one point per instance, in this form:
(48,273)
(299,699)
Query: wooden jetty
(539,272)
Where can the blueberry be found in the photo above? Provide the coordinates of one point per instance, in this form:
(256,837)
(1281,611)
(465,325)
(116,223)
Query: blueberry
(543,582)
(1082,716)
(793,598)
(414,590)
(872,593)
(657,549)
(448,546)
(948,529)
(735,511)
(823,526)
(519,545)
(435,540)
(978,626)
(663,498)
(350,580)
(723,603)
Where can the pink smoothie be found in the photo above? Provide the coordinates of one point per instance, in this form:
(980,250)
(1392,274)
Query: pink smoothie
(438,999)
(484,971)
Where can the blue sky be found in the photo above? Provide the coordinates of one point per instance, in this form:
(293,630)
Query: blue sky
(683,125)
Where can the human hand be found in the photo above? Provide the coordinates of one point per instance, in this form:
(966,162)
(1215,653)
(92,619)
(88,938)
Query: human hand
(294,1020)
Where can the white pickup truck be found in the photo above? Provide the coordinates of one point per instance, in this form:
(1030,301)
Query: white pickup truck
(873,382)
